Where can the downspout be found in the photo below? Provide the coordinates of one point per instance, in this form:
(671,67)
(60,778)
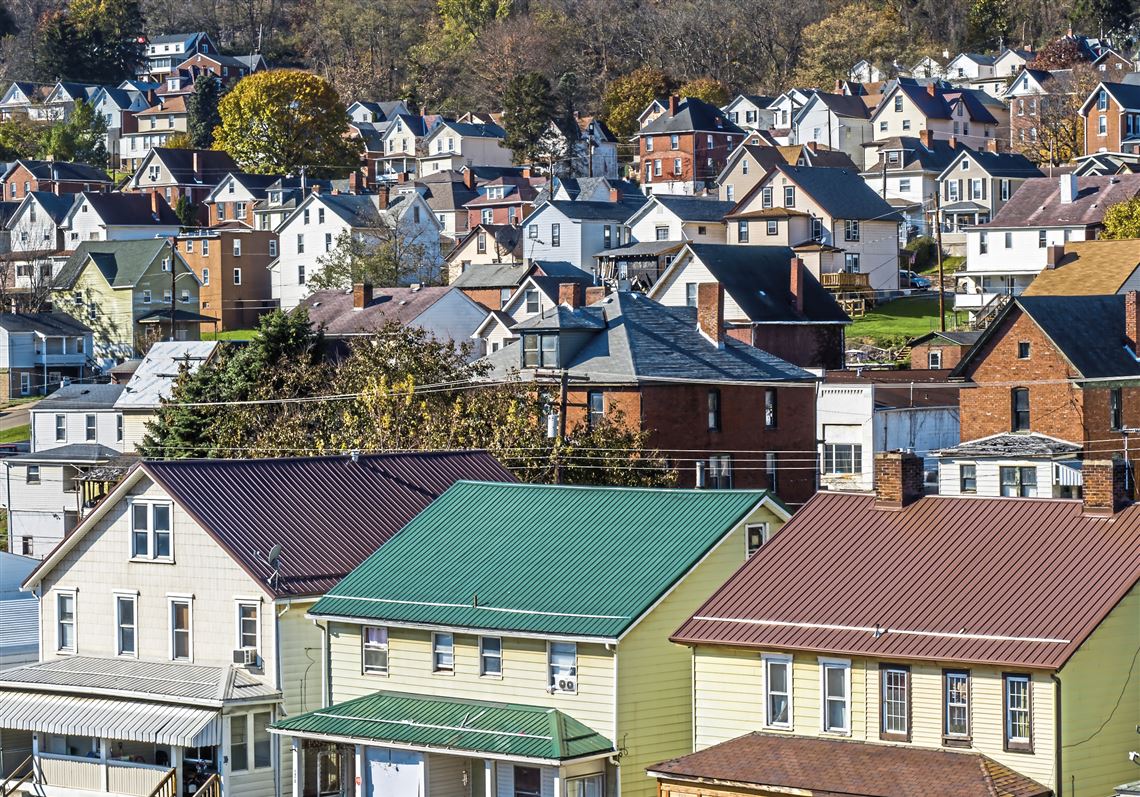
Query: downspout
(326,680)
(278,681)
(1057,747)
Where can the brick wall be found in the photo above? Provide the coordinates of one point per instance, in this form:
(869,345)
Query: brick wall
(805,345)
(488,297)
(898,479)
(1105,486)
(1094,142)
(951,355)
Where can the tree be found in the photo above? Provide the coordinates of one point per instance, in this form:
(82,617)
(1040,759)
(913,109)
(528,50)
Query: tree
(186,212)
(399,256)
(94,41)
(468,17)
(528,110)
(988,24)
(1055,134)
(706,88)
(57,55)
(81,137)
(627,96)
(202,112)
(1122,220)
(1060,53)
(279,120)
(1106,16)
(858,30)
(20,137)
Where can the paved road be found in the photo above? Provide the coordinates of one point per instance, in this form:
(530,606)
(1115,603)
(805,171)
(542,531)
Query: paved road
(16,416)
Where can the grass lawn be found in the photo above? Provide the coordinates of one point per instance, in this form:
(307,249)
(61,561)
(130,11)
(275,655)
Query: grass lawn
(4,405)
(894,323)
(16,434)
(231,334)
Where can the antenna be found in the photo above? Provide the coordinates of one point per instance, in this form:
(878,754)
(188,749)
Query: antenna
(274,556)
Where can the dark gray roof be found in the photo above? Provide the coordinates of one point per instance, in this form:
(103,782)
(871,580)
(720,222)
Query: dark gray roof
(1006,164)
(841,193)
(645,340)
(758,278)
(56,323)
(964,338)
(493,275)
(916,156)
(693,115)
(174,38)
(358,210)
(1009,444)
(564,317)
(844,104)
(1127,94)
(595,211)
(938,105)
(73,452)
(560,268)
(63,170)
(130,209)
(213,165)
(476,130)
(551,284)
(690,208)
(82,397)
(56,206)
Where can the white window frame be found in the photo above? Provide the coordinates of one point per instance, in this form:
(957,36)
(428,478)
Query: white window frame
(824,665)
(171,600)
(484,655)
(133,597)
(151,554)
(73,594)
(767,660)
(551,679)
(366,646)
(239,604)
(748,529)
(437,650)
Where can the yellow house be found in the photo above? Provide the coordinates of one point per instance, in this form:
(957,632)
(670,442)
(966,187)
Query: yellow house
(123,290)
(512,641)
(1001,633)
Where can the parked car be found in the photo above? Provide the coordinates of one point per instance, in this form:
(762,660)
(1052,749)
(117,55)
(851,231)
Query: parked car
(908,279)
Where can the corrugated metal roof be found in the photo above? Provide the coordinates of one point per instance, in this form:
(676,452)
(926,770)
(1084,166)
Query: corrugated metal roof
(326,513)
(154,379)
(1008,581)
(453,724)
(19,612)
(544,559)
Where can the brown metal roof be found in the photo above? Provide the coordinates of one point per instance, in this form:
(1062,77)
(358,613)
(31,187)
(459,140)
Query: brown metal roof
(327,513)
(1003,581)
(834,768)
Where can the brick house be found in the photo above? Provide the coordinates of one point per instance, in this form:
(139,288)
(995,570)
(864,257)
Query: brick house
(686,147)
(1111,117)
(941,350)
(177,173)
(724,413)
(56,177)
(232,264)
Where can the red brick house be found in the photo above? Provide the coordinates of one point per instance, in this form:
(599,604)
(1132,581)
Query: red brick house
(505,200)
(724,413)
(177,173)
(937,351)
(1111,117)
(57,177)
(684,149)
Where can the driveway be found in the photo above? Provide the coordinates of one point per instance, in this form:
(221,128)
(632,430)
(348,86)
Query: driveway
(15,416)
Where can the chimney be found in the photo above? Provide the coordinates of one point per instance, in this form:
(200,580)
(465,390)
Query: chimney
(570,294)
(382,197)
(953,142)
(194,163)
(1106,487)
(402,177)
(615,195)
(927,138)
(595,293)
(673,100)
(813,146)
(353,183)
(316,188)
(992,145)
(469,178)
(797,284)
(710,311)
(154,206)
(1069,188)
(898,479)
(1054,254)
(1131,324)
(931,90)
(838,86)
(525,172)
(361,295)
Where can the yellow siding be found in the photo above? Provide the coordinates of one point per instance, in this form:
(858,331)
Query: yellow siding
(729,702)
(1100,704)
(524,673)
(300,652)
(113,326)
(655,676)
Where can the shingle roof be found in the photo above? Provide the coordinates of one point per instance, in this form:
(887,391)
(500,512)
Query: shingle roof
(1005,164)
(1009,444)
(564,317)
(56,206)
(326,513)
(475,129)
(842,194)
(358,210)
(1037,202)
(213,165)
(1127,94)
(335,311)
(693,115)
(62,170)
(454,724)
(72,452)
(844,768)
(130,209)
(811,589)
(689,208)
(844,104)
(493,275)
(938,105)
(122,262)
(481,557)
(585,210)
(55,323)
(81,397)
(153,379)
(1089,267)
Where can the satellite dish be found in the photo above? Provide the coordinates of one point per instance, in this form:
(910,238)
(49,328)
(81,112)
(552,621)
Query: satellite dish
(274,555)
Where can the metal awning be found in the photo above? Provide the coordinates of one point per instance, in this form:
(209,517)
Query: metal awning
(128,720)
(1068,474)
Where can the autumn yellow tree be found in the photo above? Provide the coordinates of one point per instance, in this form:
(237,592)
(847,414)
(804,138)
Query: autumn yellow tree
(628,95)
(708,89)
(858,30)
(280,120)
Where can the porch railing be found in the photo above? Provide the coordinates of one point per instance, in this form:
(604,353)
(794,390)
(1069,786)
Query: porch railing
(845,280)
(167,787)
(93,774)
(211,788)
(21,775)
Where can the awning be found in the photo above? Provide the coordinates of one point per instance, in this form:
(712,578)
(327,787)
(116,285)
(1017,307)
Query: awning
(163,317)
(1068,474)
(128,720)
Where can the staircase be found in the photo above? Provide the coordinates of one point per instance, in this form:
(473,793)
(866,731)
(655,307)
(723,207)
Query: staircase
(20,777)
(989,311)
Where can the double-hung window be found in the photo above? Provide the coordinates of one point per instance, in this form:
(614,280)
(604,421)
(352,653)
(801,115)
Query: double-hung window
(595,408)
(835,677)
(181,629)
(556,235)
(968,478)
(374,649)
(563,667)
(842,458)
(65,626)
(60,428)
(789,196)
(442,653)
(778,691)
(742,231)
(956,703)
(773,227)
(89,428)
(586,786)
(894,692)
(246,731)
(1018,731)
(770,413)
(126,624)
(1116,408)
(248,626)
(714,410)
(491,656)
(151,536)
(1018,481)
(1020,409)
(851,230)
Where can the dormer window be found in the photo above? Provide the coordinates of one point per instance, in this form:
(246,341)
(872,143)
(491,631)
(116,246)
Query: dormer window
(540,351)
(893,157)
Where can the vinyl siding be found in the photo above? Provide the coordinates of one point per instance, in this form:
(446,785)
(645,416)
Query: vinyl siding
(300,658)
(729,702)
(134,429)
(251,782)
(1100,701)
(43,428)
(114,322)
(672,294)
(524,673)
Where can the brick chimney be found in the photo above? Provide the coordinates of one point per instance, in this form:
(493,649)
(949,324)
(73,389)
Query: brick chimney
(710,311)
(927,138)
(361,295)
(953,142)
(402,177)
(931,90)
(570,294)
(1054,254)
(154,206)
(991,145)
(353,183)
(1131,323)
(673,101)
(1106,487)
(382,197)
(469,178)
(615,195)
(898,479)
(797,284)
(315,188)
(595,293)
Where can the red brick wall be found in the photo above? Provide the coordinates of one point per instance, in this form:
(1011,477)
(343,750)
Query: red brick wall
(693,150)
(808,346)
(951,355)
(488,297)
(500,215)
(1094,142)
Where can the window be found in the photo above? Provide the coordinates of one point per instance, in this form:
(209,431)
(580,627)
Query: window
(1102,125)
(766,197)
(904,185)
(442,653)
(205,248)
(126,625)
(65,639)
(530,296)
(730,192)
(661,233)
(956,699)
(374,649)
(842,458)
(968,478)
(119,428)
(237,247)
(1018,481)
(25,383)
(586,786)
(1020,401)
(816,229)
(714,410)
(239,742)
(894,694)
(89,427)
(882,127)
(674,141)
(181,645)
(248,627)
(1017,716)
(744,166)
(150,531)
(596,407)
(789,196)
(273,248)
(491,656)
(205,276)
(851,230)
(237,276)
(190,245)
(1004,188)
(770,471)
(773,227)
(756,534)
(528,782)
(532,232)
(301,274)
(690,294)
(657,167)
(328,241)
(906,124)
(742,231)
(934,359)
(851,262)
(718,472)
(770,415)
(898,102)
(240,210)
(61,428)
(563,667)
(676,166)
(1023,350)
(32,474)
(556,235)
(778,691)
(1102,100)
(836,682)
(1041,239)
(1115,408)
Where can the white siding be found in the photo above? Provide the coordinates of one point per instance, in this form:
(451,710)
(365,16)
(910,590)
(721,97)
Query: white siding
(672,292)
(44,436)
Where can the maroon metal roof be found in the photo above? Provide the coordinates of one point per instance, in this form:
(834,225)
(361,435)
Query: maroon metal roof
(1004,581)
(834,768)
(327,513)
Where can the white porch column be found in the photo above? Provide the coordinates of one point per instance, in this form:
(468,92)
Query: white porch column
(298,768)
(488,778)
(358,762)
(176,762)
(106,773)
(557,783)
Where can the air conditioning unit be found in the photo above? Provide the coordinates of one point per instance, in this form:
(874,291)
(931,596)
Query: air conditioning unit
(565,684)
(247,657)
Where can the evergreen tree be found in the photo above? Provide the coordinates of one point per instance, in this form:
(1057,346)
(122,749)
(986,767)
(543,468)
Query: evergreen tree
(202,112)
(186,212)
(528,108)
(80,138)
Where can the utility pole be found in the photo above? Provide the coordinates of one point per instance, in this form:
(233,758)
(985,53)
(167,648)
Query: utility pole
(562,384)
(938,252)
(173,260)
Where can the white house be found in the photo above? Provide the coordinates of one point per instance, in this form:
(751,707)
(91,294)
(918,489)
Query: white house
(36,228)
(118,217)
(1011,61)
(164,53)
(538,293)
(574,231)
(865,72)
(666,217)
(750,112)
(1022,465)
(453,145)
(39,350)
(965,67)
(586,149)
(784,109)
(836,121)
(369,112)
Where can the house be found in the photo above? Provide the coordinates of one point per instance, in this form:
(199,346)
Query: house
(447,194)
(371,112)
(1113,62)
(282,197)
(940,350)
(232,264)
(1031,95)
(485,244)
(969,116)
(753,159)
(151,382)
(1021,465)
(118,107)
(535,678)
(153,127)
(666,217)
(974,188)
(574,231)
(164,53)
(798,657)
(966,67)
(1090,268)
(771,301)
(118,217)
(685,148)
(699,395)
(904,171)
(539,292)
(830,218)
(1012,60)
(491,284)
(750,112)
(1111,119)
(504,200)
(314,228)
(80,412)
(582,147)
(865,72)
(446,314)
(1004,256)
(19,613)
(228,69)
(784,109)
(23,98)
(835,121)
(177,173)
(39,350)
(454,145)
(926,68)
(590,189)
(238,196)
(1102,163)
(401,143)
(56,177)
(36,231)
(180,682)
(124,290)
(62,99)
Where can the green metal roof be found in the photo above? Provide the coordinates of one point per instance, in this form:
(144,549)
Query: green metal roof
(123,263)
(542,559)
(436,723)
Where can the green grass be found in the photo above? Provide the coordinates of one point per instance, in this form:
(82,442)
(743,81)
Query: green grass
(894,323)
(950,264)
(231,334)
(18,401)
(17,434)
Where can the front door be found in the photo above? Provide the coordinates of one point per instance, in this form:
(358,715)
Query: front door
(394,773)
